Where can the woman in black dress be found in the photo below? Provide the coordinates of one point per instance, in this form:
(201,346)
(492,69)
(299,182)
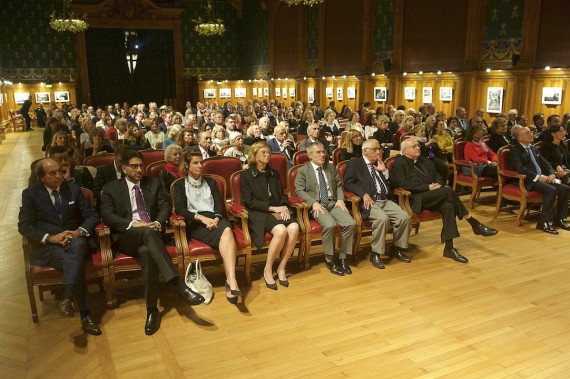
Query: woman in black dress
(351,146)
(556,153)
(499,136)
(268,211)
(198,200)
(136,140)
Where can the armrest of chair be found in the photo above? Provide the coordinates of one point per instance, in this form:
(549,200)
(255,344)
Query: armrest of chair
(512,174)
(104,235)
(237,210)
(404,199)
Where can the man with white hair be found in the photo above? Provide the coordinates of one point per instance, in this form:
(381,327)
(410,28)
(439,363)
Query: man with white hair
(280,144)
(512,117)
(460,114)
(418,175)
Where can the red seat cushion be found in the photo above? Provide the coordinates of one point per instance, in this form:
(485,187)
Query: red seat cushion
(514,190)
(45,272)
(427,215)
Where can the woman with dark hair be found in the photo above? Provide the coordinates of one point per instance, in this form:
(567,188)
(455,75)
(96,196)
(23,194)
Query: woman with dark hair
(269,212)
(477,151)
(499,136)
(186,139)
(136,140)
(198,200)
(371,125)
(556,152)
(354,123)
(352,145)
(99,143)
(306,119)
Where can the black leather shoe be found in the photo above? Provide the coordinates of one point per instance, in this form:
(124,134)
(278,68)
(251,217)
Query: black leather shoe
(484,231)
(376,260)
(335,268)
(561,224)
(344,266)
(399,255)
(454,254)
(66,307)
(546,228)
(188,295)
(152,322)
(89,326)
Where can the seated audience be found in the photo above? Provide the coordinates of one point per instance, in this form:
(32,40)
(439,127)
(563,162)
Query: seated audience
(371,125)
(306,119)
(331,125)
(185,139)
(199,201)
(396,123)
(172,134)
(238,149)
(313,132)
(556,153)
(354,123)
(174,168)
(352,145)
(540,177)
(205,145)
(252,135)
(220,140)
(56,219)
(121,127)
(154,136)
(477,151)
(280,144)
(78,175)
(99,144)
(499,136)
(268,211)
(136,140)
(110,172)
(442,138)
(61,138)
(384,136)
(417,174)
(406,127)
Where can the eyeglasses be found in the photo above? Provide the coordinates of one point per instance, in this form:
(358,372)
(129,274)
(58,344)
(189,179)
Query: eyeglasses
(265,152)
(135,166)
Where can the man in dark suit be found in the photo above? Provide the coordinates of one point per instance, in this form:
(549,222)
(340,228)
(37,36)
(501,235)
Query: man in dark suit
(280,144)
(111,172)
(25,112)
(540,177)
(56,219)
(80,176)
(318,183)
(367,177)
(313,131)
(205,143)
(419,176)
(136,210)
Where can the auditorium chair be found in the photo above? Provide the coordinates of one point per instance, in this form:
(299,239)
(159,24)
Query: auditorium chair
(280,163)
(154,169)
(17,121)
(476,183)
(224,167)
(511,186)
(300,157)
(336,155)
(152,155)
(99,160)
(193,250)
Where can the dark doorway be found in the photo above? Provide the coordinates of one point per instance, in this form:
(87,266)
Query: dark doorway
(110,79)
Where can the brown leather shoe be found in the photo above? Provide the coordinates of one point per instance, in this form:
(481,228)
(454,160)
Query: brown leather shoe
(66,308)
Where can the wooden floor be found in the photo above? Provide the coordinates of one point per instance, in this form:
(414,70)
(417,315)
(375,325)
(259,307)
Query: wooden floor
(505,314)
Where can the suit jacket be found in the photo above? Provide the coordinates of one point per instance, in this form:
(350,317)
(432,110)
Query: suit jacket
(275,148)
(105,174)
(306,142)
(521,163)
(415,178)
(357,179)
(181,202)
(38,217)
(307,186)
(116,208)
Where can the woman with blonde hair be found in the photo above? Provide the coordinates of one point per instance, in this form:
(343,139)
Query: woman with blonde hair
(269,212)
(352,145)
(172,134)
(154,135)
(354,123)
(136,140)
(61,138)
(219,139)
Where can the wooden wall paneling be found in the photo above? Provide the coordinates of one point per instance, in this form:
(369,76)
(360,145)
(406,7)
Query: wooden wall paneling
(530,32)
(398,36)
(475,33)
(378,81)
(366,58)
(286,44)
(553,34)
(32,88)
(542,79)
(495,79)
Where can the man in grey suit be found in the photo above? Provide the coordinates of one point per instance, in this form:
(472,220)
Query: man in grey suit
(318,183)
(313,131)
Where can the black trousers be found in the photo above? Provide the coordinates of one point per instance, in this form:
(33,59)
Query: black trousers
(148,245)
(551,192)
(446,202)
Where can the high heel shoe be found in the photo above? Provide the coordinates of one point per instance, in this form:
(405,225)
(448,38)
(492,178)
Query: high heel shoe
(284,283)
(235,293)
(272,286)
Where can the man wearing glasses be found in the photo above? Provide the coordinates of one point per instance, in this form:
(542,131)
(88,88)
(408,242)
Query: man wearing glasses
(419,176)
(136,210)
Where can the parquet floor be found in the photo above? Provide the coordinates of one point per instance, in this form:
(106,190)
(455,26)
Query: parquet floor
(505,314)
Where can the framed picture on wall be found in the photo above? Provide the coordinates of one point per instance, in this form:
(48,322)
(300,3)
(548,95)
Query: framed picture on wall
(209,93)
(239,92)
(380,94)
(329,92)
(265,92)
(552,95)
(254,91)
(20,97)
(446,93)
(339,94)
(351,93)
(277,92)
(427,95)
(494,99)
(292,92)
(43,97)
(225,93)
(410,93)
(311,95)
(61,97)
(284,92)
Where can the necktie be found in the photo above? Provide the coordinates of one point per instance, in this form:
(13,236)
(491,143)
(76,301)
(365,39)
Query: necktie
(57,204)
(380,187)
(538,170)
(140,205)
(323,188)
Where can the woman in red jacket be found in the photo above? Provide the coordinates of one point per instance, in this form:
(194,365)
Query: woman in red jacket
(477,151)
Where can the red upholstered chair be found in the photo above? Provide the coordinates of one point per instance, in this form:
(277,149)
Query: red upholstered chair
(193,250)
(99,160)
(511,186)
(279,162)
(476,183)
(158,146)
(224,167)
(45,277)
(237,209)
(404,202)
(300,157)
(151,156)
(336,155)
(155,168)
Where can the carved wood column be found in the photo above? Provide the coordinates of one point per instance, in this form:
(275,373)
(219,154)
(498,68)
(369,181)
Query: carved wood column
(84,92)
(475,34)
(397,51)
(367,32)
(530,32)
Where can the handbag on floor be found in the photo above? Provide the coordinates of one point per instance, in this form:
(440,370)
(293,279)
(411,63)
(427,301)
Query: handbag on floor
(197,282)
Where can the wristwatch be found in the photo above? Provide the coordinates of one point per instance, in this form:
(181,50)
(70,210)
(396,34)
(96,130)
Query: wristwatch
(82,232)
